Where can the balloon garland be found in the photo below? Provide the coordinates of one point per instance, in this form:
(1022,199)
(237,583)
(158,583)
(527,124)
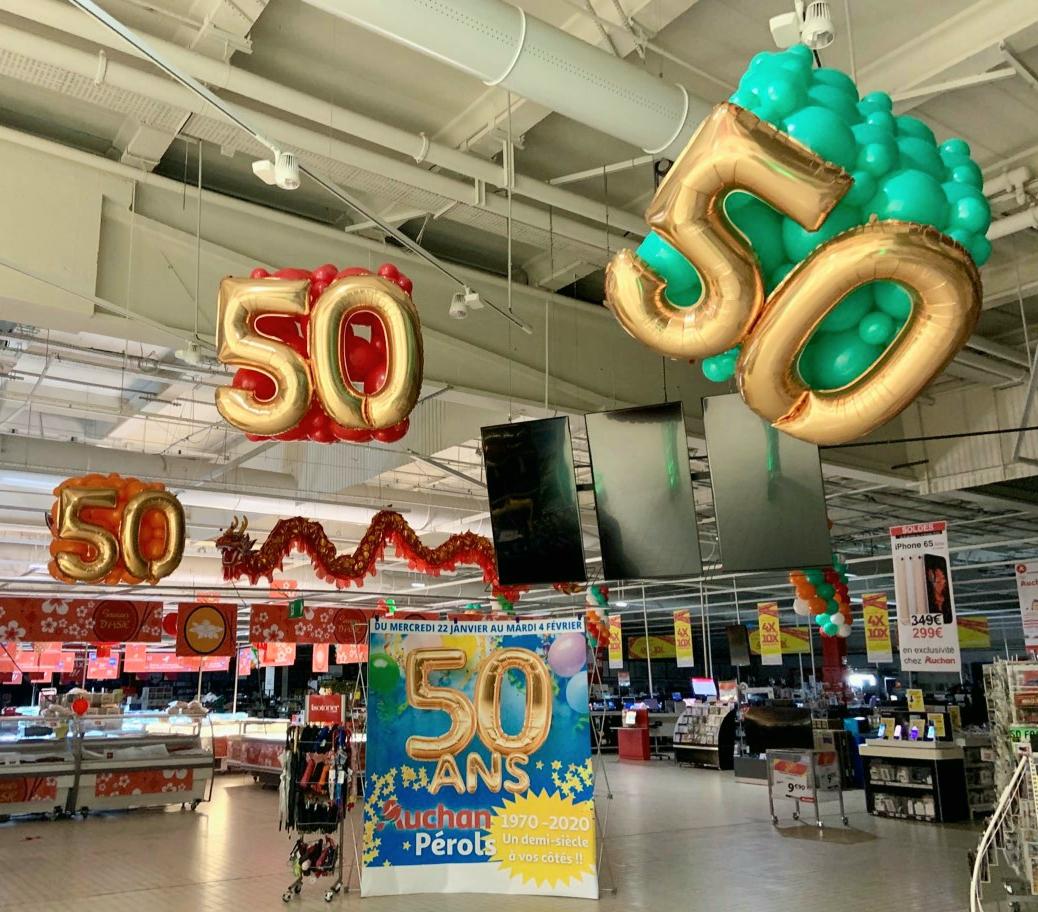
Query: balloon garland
(365,361)
(899,172)
(824,593)
(108,529)
(596,617)
(241,559)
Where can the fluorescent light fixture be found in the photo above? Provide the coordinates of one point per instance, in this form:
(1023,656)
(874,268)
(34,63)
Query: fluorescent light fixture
(417,584)
(621,604)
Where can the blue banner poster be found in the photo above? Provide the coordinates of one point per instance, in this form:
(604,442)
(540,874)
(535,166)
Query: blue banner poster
(479,776)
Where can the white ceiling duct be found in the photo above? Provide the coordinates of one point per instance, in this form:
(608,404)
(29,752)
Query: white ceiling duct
(502,45)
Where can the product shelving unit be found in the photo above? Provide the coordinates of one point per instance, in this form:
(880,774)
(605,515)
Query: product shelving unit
(61,766)
(704,735)
(915,780)
(979,762)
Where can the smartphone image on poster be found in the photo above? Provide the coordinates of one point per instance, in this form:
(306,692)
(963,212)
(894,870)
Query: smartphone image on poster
(938,593)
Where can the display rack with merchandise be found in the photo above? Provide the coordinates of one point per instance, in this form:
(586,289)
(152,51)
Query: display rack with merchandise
(704,735)
(915,780)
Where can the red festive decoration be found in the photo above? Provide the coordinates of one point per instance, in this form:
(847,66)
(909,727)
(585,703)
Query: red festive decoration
(80,706)
(241,559)
(365,358)
(170,624)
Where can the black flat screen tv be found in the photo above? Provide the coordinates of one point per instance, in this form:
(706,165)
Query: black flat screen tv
(643,493)
(534,511)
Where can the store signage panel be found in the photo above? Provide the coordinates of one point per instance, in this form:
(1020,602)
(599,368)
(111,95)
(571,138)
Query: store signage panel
(926,630)
(33,620)
(876,617)
(1027,592)
(683,639)
(770,633)
(479,759)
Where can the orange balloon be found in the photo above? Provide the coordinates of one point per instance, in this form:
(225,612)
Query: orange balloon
(817,603)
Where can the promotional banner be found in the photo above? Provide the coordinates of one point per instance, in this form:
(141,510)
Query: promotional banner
(60,620)
(103,669)
(653,647)
(206,629)
(876,618)
(1027,592)
(683,639)
(168,663)
(351,653)
(794,640)
(320,658)
(479,759)
(277,654)
(616,643)
(927,636)
(770,633)
(244,661)
(273,622)
(35,658)
(974,632)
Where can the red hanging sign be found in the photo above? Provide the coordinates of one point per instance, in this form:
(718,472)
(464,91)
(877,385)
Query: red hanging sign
(320,661)
(206,629)
(59,620)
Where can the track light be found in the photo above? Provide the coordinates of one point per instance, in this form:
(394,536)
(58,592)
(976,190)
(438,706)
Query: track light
(283,171)
(811,25)
(464,301)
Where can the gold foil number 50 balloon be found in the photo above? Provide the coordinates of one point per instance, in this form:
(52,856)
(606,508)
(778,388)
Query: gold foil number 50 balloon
(734,150)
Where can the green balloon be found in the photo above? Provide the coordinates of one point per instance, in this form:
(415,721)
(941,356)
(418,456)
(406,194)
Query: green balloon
(877,328)
(665,260)
(909,196)
(875,101)
(837,101)
(837,79)
(825,590)
(883,121)
(970,213)
(911,126)
(824,132)
(968,173)
(863,188)
(849,312)
(821,618)
(799,242)
(383,673)
(840,358)
(955,147)
(980,250)
(917,153)
(892,299)
(761,224)
(878,158)
(830,629)
(778,275)
(719,368)
(814,577)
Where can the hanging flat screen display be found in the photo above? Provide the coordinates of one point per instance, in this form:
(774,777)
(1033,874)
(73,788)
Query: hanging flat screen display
(533,502)
(738,644)
(768,495)
(643,492)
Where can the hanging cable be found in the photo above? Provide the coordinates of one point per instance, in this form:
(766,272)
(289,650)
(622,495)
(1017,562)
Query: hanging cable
(236,117)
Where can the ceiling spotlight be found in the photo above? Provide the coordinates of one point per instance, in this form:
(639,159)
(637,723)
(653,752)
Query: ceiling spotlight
(190,355)
(417,584)
(282,172)
(464,301)
(811,24)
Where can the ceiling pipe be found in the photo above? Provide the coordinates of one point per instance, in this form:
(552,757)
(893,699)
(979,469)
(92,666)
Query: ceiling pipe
(1013,224)
(1014,179)
(501,45)
(222,76)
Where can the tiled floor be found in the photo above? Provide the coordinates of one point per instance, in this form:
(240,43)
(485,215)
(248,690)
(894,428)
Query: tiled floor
(678,839)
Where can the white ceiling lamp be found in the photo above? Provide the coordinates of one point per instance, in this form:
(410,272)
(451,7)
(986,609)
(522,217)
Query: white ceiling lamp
(282,172)
(464,301)
(811,25)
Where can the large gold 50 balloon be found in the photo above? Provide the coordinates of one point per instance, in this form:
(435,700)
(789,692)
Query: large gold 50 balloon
(241,344)
(485,716)
(735,150)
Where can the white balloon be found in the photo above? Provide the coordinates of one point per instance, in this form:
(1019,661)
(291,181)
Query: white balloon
(844,631)
(838,619)
(801,607)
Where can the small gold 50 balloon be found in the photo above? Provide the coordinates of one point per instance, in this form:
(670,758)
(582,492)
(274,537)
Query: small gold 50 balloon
(242,344)
(482,717)
(735,150)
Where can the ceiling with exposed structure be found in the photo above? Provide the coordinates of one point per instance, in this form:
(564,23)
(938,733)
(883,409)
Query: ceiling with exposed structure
(127,199)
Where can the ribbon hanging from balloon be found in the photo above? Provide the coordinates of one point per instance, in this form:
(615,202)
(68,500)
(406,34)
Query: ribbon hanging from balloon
(329,355)
(107,529)
(730,230)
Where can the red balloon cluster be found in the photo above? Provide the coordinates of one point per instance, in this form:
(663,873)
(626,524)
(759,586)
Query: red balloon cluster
(365,359)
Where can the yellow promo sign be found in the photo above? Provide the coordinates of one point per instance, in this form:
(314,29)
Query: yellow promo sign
(616,643)
(770,633)
(795,641)
(653,647)
(877,628)
(915,699)
(974,632)
(683,639)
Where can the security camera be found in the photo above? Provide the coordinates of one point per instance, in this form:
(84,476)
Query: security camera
(811,25)
(283,171)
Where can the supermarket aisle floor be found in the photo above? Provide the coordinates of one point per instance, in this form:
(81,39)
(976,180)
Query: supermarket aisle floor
(678,839)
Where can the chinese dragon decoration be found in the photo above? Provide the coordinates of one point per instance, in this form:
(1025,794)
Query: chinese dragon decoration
(242,559)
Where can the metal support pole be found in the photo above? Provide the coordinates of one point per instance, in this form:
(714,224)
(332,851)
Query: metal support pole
(234,699)
(811,643)
(648,650)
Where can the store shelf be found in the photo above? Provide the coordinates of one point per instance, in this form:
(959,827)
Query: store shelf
(907,750)
(917,786)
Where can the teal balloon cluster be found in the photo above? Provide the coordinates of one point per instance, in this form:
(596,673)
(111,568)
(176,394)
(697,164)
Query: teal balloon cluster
(899,172)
